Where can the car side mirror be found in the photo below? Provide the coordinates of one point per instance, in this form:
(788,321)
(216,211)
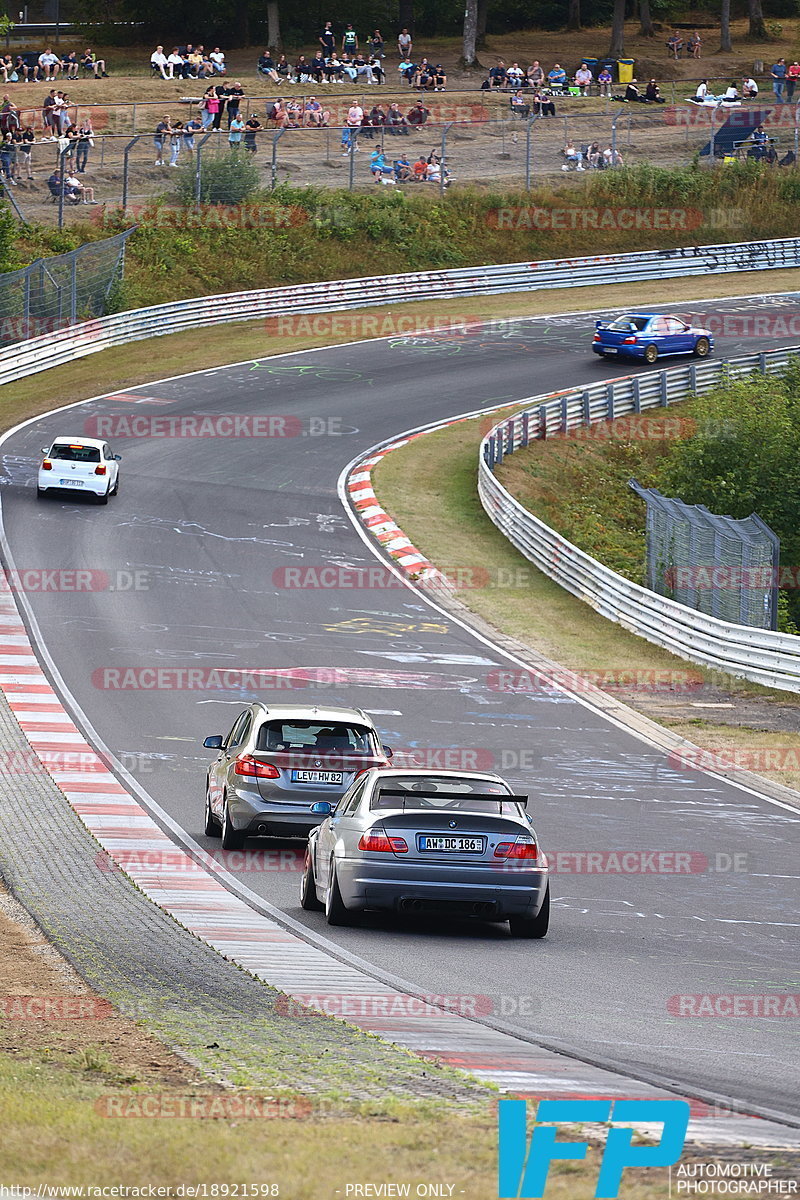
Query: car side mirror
(45,449)
(214,742)
(117,458)
(322,808)
(388,751)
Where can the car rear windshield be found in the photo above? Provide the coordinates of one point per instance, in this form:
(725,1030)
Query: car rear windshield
(627,324)
(87,454)
(453,793)
(319,737)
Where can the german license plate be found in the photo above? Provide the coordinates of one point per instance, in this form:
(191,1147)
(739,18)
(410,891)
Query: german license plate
(317,776)
(71,482)
(609,349)
(451,845)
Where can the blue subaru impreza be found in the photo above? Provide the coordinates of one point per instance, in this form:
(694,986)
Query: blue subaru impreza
(650,336)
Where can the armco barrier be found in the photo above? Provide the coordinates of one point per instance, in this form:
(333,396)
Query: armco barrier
(55,349)
(769,658)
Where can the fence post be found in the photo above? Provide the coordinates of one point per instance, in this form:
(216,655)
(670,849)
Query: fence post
(61,160)
(125,154)
(73,287)
(198,167)
(610,402)
(26,305)
(442,181)
(531,120)
(274,163)
(637,399)
(352,157)
(543,421)
(712,139)
(614,120)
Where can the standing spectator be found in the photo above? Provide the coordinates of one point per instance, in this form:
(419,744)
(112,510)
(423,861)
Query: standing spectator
(235,132)
(235,97)
(694,45)
(49,123)
(605,80)
(96,65)
(8,158)
(779,79)
(208,106)
(158,59)
(85,143)
(175,142)
(63,105)
(163,129)
(49,64)
(404,43)
(222,97)
(191,127)
(9,115)
(327,40)
(252,126)
(792,76)
(583,79)
(24,139)
(376,44)
(535,75)
(266,66)
(355,115)
(349,40)
(217,60)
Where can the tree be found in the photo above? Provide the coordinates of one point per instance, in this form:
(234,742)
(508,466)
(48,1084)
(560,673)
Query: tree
(483,14)
(273,25)
(468,56)
(646,20)
(617,48)
(758,29)
(573,14)
(725,43)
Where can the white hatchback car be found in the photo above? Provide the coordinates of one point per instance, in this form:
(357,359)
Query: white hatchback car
(79,465)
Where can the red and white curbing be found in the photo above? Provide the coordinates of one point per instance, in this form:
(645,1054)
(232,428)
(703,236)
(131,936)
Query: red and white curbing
(195,895)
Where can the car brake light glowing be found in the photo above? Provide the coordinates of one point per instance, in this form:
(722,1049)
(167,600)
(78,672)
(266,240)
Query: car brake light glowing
(247,765)
(376,841)
(629,341)
(99,470)
(522,848)
(47,465)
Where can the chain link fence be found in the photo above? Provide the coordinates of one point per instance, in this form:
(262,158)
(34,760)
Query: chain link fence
(714,564)
(56,292)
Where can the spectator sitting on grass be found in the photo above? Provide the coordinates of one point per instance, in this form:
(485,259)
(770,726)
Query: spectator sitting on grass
(302,69)
(731,94)
(423,77)
(363,69)
(334,70)
(418,115)
(652,95)
(49,64)
(403,169)
(158,59)
(583,79)
(379,167)
(404,43)
(76,188)
(702,92)
(348,68)
(612,157)
(375,65)
(573,158)
(535,75)
(317,67)
(749,88)
(266,66)
(315,114)
(282,67)
(498,75)
(632,93)
(439,78)
(217,60)
(605,80)
(543,105)
(421,168)
(407,69)
(395,121)
(594,156)
(90,62)
(515,75)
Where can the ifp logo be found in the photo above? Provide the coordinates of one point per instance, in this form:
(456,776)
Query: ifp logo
(522,1170)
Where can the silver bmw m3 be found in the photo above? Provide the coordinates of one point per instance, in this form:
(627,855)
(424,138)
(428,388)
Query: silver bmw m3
(450,843)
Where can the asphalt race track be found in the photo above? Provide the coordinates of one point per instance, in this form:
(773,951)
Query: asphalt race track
(211,522)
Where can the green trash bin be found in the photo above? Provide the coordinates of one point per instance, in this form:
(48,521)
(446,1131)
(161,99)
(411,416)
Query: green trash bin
(625,69)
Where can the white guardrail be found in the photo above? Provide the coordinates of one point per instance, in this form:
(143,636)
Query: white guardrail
(761,655)
(55,349)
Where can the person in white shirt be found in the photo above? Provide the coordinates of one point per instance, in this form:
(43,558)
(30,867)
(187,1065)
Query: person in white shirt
(50,64)
(217,57)
(749,89)
(515,75)
(159,59)
(732,93)
(702,91)
(583,78)
(176,67)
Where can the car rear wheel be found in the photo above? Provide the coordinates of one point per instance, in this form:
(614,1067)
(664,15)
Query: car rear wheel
(533,927)
(308,888)
(212,828)
(103,499)
(702,347)
(232,839)
(650,353)
(115,488)
(335,911)
(41,493)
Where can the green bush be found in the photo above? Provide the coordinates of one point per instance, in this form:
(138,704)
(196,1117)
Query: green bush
(229,179)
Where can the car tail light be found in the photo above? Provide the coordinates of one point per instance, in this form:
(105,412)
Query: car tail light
(376,841)
(247,765)
(47,465)
(522,848)
(596,338)
(630,341)
(99,470)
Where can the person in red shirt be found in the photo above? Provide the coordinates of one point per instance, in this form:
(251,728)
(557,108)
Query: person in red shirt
(792,76)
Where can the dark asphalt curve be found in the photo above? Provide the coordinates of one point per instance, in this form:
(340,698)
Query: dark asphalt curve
(211,522)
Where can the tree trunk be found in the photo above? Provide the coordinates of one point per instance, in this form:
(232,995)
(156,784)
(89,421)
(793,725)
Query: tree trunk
(573,14)
(405,16)
(468,57)
(273,26)
(725,43)
(758,29)
(617,48)
(483,13)
(646,21)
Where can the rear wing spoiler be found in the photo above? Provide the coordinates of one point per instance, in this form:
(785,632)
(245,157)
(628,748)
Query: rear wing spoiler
(405,795)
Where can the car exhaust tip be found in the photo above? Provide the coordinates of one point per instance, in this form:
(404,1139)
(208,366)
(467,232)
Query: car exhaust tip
(262,828)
